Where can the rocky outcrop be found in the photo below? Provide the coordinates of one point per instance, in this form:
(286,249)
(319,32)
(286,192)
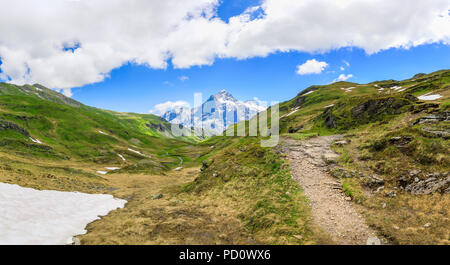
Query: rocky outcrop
(6,125)
(429,132)
(417,182)
(329,119)
(425,107)
(158,127)
(434,118)
(430,185)
(400,140)
(374,107)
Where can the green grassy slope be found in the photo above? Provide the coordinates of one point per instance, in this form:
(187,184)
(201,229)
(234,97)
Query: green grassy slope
(389,133)
(37,123)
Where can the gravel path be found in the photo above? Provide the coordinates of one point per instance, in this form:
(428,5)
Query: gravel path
(330,207)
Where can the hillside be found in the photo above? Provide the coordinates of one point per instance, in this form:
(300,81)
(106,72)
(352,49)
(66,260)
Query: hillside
(60,134)
(388,164)
(394,159)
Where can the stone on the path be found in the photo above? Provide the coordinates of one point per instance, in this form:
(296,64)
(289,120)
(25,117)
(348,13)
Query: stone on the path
(157,196)
(373,240)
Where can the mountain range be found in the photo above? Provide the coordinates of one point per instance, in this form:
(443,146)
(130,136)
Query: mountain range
(217,113)
(392,160)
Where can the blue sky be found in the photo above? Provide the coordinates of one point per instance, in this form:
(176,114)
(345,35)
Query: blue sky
(137,88)
(94,67)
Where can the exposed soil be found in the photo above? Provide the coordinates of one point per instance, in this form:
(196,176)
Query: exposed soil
(330,206)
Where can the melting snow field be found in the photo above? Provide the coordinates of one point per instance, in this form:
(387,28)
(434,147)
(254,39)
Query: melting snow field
(429,97)
(34,217)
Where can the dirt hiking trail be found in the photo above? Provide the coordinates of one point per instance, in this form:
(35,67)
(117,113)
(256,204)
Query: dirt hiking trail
(331,209)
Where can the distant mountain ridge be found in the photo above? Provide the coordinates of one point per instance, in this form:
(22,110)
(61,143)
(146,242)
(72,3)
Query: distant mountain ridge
(217,113)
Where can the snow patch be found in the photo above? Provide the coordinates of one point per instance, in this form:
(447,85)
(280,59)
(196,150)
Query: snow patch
(34,217)
(121,156)
(35,140)
(347,89)
(137,152)
(102,172)
(429,97)
(112,168)
(102,132)
(178,168)
(308,93)
(292,112)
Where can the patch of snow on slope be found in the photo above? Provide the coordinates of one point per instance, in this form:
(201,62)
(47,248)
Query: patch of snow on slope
(137,152)
(35,140)
(396,87)
(102,172)
(429,97)
(34,217)
(112,168)
(307,93)
(121,156)
(102,132)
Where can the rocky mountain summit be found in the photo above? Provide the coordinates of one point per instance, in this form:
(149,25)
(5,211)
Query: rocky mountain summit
(217,113)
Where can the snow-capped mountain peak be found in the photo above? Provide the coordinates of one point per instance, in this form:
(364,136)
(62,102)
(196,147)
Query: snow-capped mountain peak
(217,113)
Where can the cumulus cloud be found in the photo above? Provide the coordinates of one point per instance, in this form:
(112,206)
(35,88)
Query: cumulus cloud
(183,78)
(343,77)
(311,67)
(162,108)
(65,44)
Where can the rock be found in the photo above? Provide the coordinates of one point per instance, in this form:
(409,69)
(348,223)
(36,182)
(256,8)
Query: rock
(330,158)
(348,198)
(178,168)
(373,241)
(391,194)
(294,129)
(400,140)
(340,143)
(372,108)
(329,119)
(383,205)
(379,189)
(374,182)
(396,227)
(434,118)
(157,196)
(6,125)
(76,241)
(430,185)
(299,237)
(436,133)
(427,225)
(215,175)
(428,107)
(414,172)
(204,165)
(419,75)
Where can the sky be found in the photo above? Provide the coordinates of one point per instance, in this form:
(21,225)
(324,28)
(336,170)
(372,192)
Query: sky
(137,56)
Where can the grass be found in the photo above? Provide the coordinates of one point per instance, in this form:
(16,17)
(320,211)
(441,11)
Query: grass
(255,183)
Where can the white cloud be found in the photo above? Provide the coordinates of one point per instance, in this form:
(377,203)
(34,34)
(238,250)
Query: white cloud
(343,77)
(162,108)
(342,68)
(184,78)
(311,67)
(106,34)
(346,63)
(67,92)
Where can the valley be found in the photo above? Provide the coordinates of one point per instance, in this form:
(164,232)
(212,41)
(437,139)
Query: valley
(384,178)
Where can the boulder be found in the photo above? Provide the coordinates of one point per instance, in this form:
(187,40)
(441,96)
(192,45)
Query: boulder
(430,185)
(374,182)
